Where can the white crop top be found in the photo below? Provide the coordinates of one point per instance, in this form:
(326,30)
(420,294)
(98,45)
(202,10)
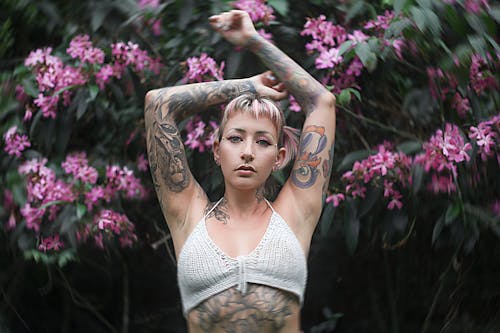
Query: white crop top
(204,270)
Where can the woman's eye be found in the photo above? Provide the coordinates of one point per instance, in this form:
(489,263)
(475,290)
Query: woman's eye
(235,139)
(263,143)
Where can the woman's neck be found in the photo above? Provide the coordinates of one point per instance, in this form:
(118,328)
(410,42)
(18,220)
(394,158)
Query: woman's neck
(244,203)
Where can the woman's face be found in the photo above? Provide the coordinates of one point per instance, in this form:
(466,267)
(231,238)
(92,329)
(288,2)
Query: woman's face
(248,151)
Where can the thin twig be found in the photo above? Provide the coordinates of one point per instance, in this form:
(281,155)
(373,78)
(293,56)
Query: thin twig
(6,299)
(380,125)
(83,303)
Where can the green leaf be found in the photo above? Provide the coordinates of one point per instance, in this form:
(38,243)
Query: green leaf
(81,209)
(346,46)
(399,5)
(438,227)
(367,57)
(29,88)
(419,18)
(352,157)
(351,225)
(451,213)
(344,98)
(417,176)
(281,6)
(372,196)
(93,91)
(326,219)
(98,16)
(409,147)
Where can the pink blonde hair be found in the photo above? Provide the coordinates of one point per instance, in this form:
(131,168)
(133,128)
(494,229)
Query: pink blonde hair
(258,106)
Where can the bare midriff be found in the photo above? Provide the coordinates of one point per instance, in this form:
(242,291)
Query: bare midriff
(261,309)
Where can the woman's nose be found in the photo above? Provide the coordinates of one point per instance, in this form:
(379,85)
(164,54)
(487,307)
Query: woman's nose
(247,154)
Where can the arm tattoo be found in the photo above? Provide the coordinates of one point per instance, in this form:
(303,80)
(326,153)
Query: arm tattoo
(302,85)
(306,169)
(261,309)
(189,99)
(167,156)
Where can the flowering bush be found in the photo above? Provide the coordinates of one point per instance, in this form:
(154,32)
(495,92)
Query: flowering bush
(418,122)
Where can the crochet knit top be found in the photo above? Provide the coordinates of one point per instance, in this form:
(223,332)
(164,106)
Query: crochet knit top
(204,270)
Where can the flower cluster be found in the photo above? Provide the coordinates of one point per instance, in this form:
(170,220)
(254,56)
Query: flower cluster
(44,191)
(385,168)
(481,77)
(326,40)
(52,77)
(487,137)
(55,79)
(202,69)
(199,135)
(47,194)
(155,24)
(257,9)
(81,47)
(442,153)
(129,54)
(15,143)
(259,12)
(106,225)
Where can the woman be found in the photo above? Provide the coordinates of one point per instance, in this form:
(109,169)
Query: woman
(242,260)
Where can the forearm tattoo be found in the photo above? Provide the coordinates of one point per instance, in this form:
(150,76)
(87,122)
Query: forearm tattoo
(301,84)
(261,309)
(167,156)
(306,169)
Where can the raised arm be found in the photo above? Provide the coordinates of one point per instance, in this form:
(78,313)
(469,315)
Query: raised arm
(311,172)
(164,108)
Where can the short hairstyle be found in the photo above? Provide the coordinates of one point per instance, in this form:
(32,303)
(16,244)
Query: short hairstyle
(259,106)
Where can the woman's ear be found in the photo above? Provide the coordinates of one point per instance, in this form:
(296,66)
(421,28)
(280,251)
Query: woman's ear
(215,150)
(280,158)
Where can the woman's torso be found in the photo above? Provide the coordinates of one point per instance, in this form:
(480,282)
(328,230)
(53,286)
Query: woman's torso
(261,307)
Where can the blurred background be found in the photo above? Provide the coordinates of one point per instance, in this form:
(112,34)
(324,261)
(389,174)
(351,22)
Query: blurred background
(409,236)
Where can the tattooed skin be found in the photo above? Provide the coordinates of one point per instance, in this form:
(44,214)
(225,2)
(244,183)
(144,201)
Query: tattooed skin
(300,83)
(166,152)
(260,309)
(220,212)
(306,168)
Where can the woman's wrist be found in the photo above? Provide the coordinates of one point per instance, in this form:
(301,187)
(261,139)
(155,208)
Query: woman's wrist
(253,42)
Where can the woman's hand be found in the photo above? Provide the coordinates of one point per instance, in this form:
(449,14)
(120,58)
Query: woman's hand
(268,85)
(235,26)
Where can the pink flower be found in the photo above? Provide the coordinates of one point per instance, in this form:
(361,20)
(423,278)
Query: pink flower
(294,106)
(257,10)
(475,6)
(15,143)
(81,47)
(382,22)
(460,104)
(199,135)
(203,68)
(123,180)
(328,59)
(142,163)
(77,165)
(93,196)
(50,243)
(103,76)
(480,75)
(486,136)
(357,37)
(336,199)
(47,104)
(110,223)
